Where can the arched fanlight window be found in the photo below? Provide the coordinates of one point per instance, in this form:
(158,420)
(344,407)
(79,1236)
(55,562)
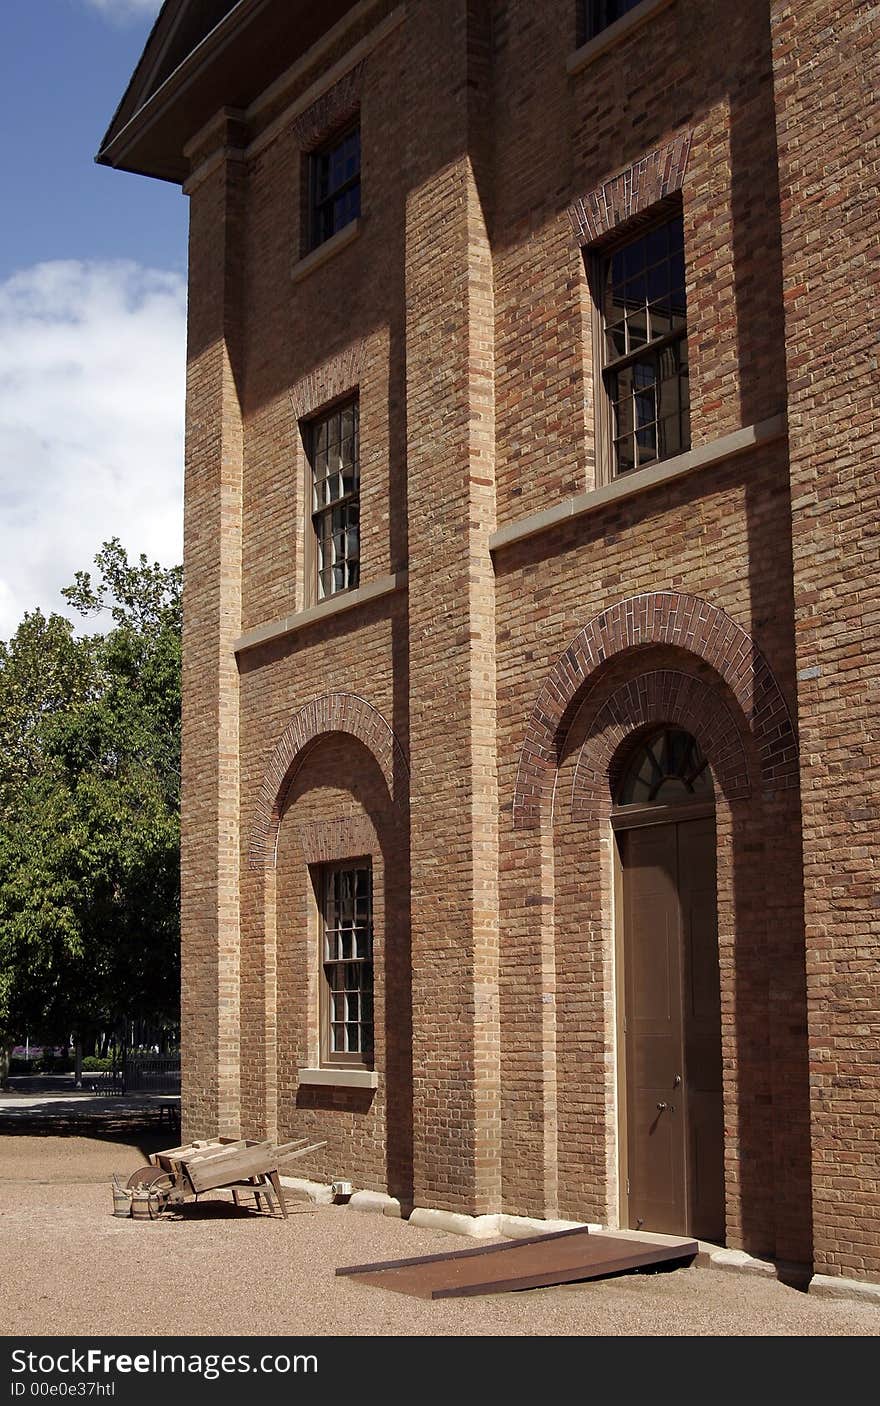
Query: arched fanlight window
(667,767)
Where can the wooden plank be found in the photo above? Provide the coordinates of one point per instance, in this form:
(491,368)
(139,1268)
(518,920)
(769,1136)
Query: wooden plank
(302,1151)
(221,1162)
(286,1148)
(184,1150)
(196,1149)
(236,1165)
(250,1185)
(205,1153)
(276,1187)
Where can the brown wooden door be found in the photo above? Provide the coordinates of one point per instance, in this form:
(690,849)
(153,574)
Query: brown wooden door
(672,1029)
(702,1028)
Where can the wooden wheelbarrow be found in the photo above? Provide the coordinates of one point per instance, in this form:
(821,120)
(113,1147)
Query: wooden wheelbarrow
(219,1164)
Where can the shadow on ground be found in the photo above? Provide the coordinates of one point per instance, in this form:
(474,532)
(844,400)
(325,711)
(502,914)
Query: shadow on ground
(109,1120)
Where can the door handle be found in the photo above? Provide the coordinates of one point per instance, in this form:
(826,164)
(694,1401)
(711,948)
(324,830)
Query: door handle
(662,1107)
(676,1081)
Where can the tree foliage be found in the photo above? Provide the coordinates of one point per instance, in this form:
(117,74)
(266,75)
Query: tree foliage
(90,805)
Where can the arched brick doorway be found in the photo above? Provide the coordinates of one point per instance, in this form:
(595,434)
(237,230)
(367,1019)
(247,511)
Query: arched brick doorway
(654,661)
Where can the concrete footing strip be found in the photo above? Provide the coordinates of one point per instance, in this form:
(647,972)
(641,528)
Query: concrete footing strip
(314,1191)
(829,1286)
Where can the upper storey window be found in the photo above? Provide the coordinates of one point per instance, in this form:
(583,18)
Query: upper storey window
(644,346)
(335,185)
(599,14)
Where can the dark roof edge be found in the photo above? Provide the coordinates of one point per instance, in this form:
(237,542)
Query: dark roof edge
(114,144)
(153,37)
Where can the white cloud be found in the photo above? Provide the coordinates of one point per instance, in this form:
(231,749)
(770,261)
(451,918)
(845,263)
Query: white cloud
(92,365)
(125,9)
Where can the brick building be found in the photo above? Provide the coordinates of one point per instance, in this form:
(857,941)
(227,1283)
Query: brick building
(531,601)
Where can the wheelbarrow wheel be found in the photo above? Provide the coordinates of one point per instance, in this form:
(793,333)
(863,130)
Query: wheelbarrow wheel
(150,1179)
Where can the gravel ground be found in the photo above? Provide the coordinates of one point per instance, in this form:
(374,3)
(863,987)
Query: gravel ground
(212,1270)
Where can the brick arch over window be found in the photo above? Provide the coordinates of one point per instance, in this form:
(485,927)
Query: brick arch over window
(332,712)
(663,696)
(631,192)
(661,618)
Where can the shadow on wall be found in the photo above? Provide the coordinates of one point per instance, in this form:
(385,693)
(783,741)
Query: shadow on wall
(760,325)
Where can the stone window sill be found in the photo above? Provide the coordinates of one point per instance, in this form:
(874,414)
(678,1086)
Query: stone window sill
(333,605)
(640,480)
(327,250)
(614,34)
(340,1078)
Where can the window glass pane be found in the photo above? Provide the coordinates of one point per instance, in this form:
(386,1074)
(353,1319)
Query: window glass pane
(335,186)
(660,321)
(632,259)
(669,766)
(645,309)
(637,328)
(615,336)
(625,453)
(335,477)
(348,930)
(657,244)
(634,292)
(623,402)
(657,283)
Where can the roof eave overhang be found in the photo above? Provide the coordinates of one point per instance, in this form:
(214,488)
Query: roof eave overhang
(152,141)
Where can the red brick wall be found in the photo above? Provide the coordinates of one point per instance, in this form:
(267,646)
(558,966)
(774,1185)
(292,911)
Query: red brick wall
(825,67)
(462,313)
(718,538)
(560,137)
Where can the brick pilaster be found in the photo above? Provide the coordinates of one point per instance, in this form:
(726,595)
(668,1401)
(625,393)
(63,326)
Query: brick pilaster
(827,124)
(212,614)
(451,491)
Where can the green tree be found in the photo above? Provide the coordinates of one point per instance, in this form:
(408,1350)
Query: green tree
(90,801)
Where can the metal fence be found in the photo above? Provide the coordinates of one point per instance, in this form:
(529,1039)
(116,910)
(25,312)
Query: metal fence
(151,1074)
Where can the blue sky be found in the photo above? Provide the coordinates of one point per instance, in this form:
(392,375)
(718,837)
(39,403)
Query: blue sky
(92,306)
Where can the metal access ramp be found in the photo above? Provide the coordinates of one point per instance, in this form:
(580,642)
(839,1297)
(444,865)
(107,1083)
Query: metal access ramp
(562,1257)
